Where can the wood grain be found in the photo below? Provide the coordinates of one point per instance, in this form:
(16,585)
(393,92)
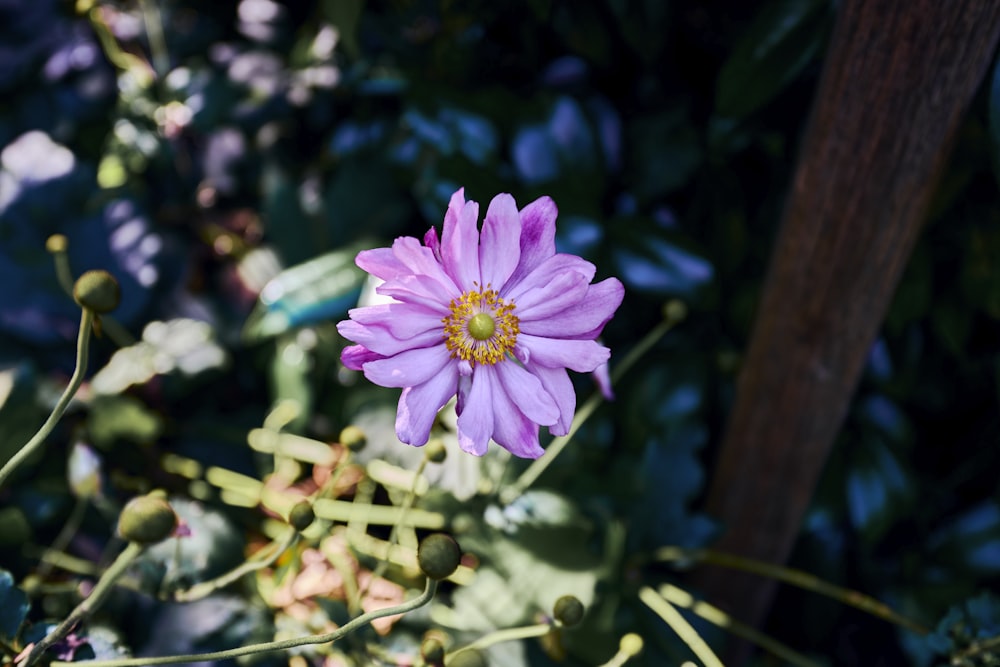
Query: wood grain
(897,79)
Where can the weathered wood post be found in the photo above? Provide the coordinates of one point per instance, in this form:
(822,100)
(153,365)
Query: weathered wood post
(897,80)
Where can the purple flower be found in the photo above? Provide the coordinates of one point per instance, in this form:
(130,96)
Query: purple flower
(495,316)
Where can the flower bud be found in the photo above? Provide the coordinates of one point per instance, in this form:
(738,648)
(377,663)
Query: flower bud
(630,645)
(97,291)
(353,438)
(432,651)
(438,555)
(568,610)
(435,451)
(302,515)
(147,520)
(56,243)
(469,657)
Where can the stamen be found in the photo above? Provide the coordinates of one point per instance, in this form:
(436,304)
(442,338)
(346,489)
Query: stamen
(482,328)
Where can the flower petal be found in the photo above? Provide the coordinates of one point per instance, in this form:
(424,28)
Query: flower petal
(419,405)
(548,271)
(582,356)
(565,290)
(514,431)
(557,383)
(584,320)
(538,234)
(420,290)
(499,242)
(379,340)
(475,422)
(381,263)
(460,242)
(431,241)
(402,320)
(421,261)
(354,356)
(409,368)
(527,393)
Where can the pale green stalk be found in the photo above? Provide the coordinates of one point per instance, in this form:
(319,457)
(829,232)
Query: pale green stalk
(507,635)
(82,352)
(89,605)
(266,647)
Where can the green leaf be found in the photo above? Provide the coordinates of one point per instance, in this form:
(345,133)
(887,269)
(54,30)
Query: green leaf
(785,37)
(115,418)
(14,607)
(321,289)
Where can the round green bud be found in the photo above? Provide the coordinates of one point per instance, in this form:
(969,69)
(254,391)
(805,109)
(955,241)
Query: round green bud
(631,645)
(97,291)
(568,610)
(435,451)
(56,243)
(353,438)
(302,515)
(675,310)
(147,520)
(432,651)
(469,657)
(438,555)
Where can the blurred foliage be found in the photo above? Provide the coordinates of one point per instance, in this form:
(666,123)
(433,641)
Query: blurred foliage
(228,175)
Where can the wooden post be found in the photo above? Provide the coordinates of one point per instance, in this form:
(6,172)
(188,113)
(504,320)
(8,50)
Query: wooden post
(898,78)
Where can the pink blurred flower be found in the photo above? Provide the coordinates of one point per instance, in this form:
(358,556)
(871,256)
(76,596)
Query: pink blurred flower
(495,316)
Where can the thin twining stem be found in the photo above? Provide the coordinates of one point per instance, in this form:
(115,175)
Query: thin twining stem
(266,647)
(88,605)
(82,352)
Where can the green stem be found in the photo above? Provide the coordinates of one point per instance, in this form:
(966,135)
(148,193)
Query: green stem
(66,533)
(265,647)
(791,576)
(404,508)
(662,608)
(507,635)
(82,352)
(205,588)
(721,619)
(538,466)
(154,32)
(89,605)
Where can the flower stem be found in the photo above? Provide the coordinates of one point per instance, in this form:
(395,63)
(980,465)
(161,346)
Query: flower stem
(662,608)
(205,588)
(404,508)
(721,619)
(538,466)
(791,576)
(82,352)
(507,635)
(88,605)
(265,647)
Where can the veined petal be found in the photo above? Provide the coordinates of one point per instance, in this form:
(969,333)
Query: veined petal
(421,261)
(582,356)
(409,368)
(527,393)
(584,320)
(499,242)
(355,356)
(538,234)
(420,290)
(402,320)
(475,422)
(419,405)
(556,381)
(460,245)
(547,271)
(512,430)
(378,339)
(566,290)
(381,263)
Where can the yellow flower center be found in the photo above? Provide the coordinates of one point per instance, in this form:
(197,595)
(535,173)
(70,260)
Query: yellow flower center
(481,328)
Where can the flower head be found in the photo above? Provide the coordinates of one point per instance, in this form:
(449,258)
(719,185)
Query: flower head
(495,316)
